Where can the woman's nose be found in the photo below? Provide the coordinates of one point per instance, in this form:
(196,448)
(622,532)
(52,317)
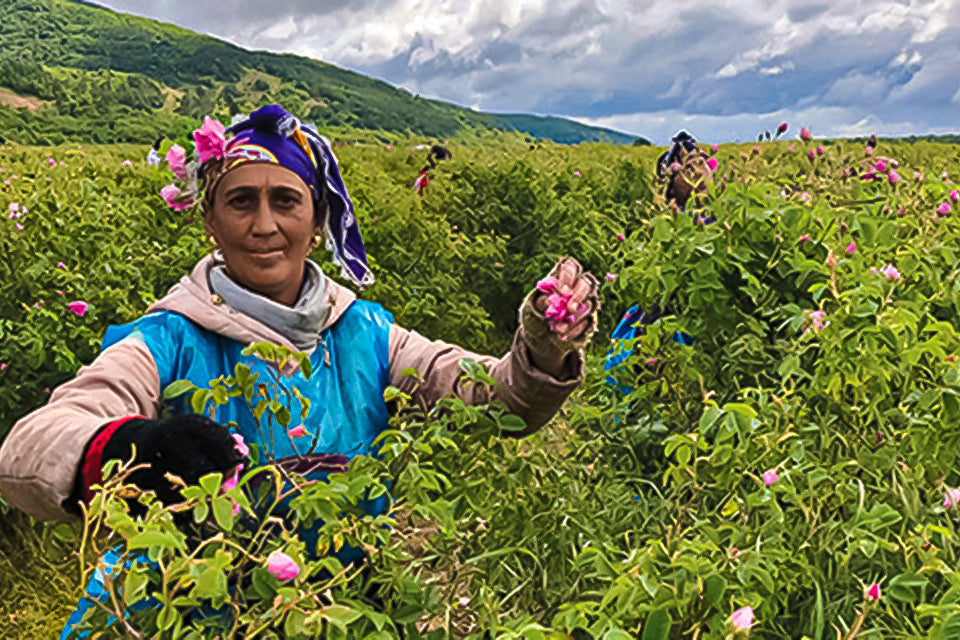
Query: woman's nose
(264,223)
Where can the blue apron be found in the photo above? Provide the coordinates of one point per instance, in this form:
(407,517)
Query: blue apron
(351,370)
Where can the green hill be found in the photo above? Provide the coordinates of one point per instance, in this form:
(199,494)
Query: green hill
(70,70)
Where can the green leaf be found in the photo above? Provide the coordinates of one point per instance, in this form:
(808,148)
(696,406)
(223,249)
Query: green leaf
(178,388)
(657,625)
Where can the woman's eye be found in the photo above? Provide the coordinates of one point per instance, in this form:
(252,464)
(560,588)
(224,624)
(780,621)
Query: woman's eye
(239,202)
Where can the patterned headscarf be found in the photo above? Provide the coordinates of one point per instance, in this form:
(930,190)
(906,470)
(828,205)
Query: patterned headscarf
(272,135)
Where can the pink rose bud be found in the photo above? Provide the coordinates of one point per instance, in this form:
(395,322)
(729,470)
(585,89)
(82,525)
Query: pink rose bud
(900,211)
(955,195)
(869,175)
(240,446)
(756,148)
(846,172)
(51,162)
(851,248)
(233,480)
(126,163)
(620,236)
(715,148)
(297,432)
(781,128)
(78,307)
(712,163)
(869,151)
(19,226)
(812,154)
(917,175)
(881,166)
(820,150)
(804,238)
(873,593)
(791,148)
(943,175)
(577,173)
(61,265)
(770,477)
(893,177)
(651,361)
(890,272)
(816,321)
(944,209)
(389,147)
(742,619)
(3,365)
(805,134)
(610,277)
(282,567)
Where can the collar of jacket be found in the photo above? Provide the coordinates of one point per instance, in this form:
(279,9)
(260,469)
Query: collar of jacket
(193,298)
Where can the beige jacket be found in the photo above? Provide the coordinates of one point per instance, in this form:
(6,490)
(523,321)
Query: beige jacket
(40,456)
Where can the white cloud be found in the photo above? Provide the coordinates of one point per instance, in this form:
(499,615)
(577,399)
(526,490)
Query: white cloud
(722,66)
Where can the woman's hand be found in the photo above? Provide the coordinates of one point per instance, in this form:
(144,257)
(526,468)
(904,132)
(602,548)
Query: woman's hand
(560,317)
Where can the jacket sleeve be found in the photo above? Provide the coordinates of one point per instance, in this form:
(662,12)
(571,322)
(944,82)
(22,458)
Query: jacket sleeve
(40,457)
(532,394)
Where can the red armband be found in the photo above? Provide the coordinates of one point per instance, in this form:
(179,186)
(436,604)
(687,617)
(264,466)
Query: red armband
(93,461)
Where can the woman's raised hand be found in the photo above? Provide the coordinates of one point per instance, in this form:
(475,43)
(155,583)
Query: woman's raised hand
(568,299)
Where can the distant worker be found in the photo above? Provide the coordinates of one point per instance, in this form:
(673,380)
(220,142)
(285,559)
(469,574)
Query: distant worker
(435,154)
(684,168)
(153,157)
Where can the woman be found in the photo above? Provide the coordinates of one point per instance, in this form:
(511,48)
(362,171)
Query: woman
(270,190)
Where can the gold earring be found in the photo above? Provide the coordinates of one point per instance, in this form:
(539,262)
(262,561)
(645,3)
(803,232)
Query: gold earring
(212,241)
(317,240)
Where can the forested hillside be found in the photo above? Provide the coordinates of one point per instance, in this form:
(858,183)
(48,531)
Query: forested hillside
(71,71)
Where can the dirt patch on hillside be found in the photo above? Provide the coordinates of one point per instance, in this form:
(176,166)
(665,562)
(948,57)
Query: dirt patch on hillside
(11,99)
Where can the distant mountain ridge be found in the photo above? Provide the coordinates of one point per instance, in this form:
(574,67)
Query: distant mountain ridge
(71,70)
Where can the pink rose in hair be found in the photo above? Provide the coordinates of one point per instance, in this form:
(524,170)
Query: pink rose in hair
(177,158)
(210,139)
(175,198)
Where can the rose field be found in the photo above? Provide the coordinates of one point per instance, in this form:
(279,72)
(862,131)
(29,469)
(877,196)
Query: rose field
(792,473)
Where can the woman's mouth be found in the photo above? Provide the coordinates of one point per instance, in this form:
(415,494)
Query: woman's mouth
(267,254)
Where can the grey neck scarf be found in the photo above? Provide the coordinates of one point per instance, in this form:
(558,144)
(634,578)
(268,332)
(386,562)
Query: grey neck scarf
(301,323)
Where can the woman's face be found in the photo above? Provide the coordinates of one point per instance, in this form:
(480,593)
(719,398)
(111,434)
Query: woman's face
(263,220)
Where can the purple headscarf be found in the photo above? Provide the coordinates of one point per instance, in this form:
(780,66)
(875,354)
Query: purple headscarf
(271,134)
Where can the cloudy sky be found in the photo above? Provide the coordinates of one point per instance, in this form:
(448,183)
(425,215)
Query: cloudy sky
(648,67)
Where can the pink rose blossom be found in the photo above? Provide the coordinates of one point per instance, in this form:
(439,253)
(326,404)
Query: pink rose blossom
(240,445)
(756,148)
(298,431)
(951,498)
(79,307)
(869,175)
(715,148)
(791,148)
(869,151)
(210,139)
(177,158)
(812,154)
(651,361)
(917,175)
(51,162)
(881,166)
(890,272)
(804,238)
(675,166)
(59,293)
(851,248)
(3,365)
(620,236)
(19,227)
(943,175)
(14,207)
(61,265)
(577,173)
(712,163)
(805,134)
(233,480)
(175,199)
(126,163)
(846,172)
(282,566)
(874,270)
(6,182)
(769,477)
(389,147)
(893,177)
(816,321)
(873,593)
(781,128)
(955,195)
(742,619)
(610,277)
(900,211)
(944,209)
(820,150)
